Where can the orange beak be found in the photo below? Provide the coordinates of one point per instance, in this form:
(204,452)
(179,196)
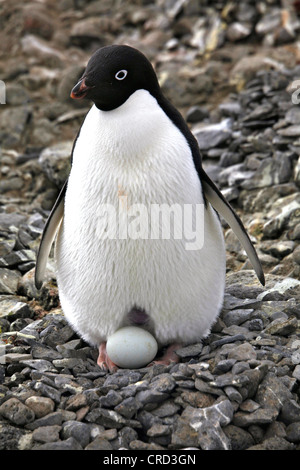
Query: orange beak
(80,90)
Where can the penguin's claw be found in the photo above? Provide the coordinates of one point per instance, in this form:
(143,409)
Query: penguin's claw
(104,362)
(169,356)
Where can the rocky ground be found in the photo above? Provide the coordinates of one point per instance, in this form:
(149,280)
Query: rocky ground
(232,70)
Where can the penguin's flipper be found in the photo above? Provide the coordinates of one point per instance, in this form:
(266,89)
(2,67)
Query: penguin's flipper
(219,203)
(50,229)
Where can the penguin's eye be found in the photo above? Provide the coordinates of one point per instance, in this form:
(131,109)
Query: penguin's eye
(121,74)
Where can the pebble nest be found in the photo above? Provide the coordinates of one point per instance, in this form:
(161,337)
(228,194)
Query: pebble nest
(237,389)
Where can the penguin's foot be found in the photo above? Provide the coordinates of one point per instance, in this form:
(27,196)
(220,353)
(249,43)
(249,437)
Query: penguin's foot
(103,361)
(169,355)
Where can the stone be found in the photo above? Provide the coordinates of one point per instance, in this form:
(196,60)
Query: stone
(9,281)
(112,399)
(191,350)
(208,422)
(16,412)
(239,438)
(41,406)
(89,30)
(272,393)
(46,434)
(99,443)
(273,170)
(196,114)
(76,402)
(14,308)
(290,412)
(44,53)
(282,327)
(260,416)
(55,161)
(243,352)
(107,418)
(67,444)
(51,419)
(37,22)
(183,434)
(128,407)
(273,443)
(158,430)
(237,316)
(13,125)
(293,432)
(79,431)
(211,135)
(237,31)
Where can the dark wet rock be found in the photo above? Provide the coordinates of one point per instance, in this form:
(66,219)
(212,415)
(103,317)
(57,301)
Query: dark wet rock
(16,412)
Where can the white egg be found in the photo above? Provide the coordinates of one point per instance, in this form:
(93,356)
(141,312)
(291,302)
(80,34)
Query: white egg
(131,347)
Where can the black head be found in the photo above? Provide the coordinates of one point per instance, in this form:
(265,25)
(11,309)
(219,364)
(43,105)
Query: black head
(112,74)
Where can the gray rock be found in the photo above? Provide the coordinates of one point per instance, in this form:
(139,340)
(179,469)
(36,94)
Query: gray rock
(290,412)
(112,399)
(129,407)
(13,125)
(293,432)
(272,393)
(196,114)
(79,431)
(51,419)
(46,434)
(260,416)
(237,31)
(99,443)
(243,352)
(275,170)
(191,350)
(68,444)
(48,391)
(184,435)
(212,135)
(14,308)
(16,412)
(239,438)
(273,443)
(107,418)
(208,422)
(282,327)
(55,162)
(237,316)
(9,281)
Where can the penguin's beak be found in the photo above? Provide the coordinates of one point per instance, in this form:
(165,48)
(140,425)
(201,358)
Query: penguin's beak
(80,90)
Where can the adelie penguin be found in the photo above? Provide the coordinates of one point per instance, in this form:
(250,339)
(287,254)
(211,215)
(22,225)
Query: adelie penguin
(134,147)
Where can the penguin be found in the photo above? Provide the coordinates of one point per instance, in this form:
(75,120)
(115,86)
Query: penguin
(134,148)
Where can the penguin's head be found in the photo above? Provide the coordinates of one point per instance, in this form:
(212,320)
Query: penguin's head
(113,74)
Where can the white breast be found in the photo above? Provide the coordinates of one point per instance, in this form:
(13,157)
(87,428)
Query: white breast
(135,155)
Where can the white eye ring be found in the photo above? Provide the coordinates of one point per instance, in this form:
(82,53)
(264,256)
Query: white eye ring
(121,74)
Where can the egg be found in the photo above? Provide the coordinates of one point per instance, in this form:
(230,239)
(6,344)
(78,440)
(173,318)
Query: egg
(131,347)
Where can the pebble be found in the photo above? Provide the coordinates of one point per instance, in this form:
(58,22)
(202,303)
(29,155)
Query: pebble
(41,406)
(16,412)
